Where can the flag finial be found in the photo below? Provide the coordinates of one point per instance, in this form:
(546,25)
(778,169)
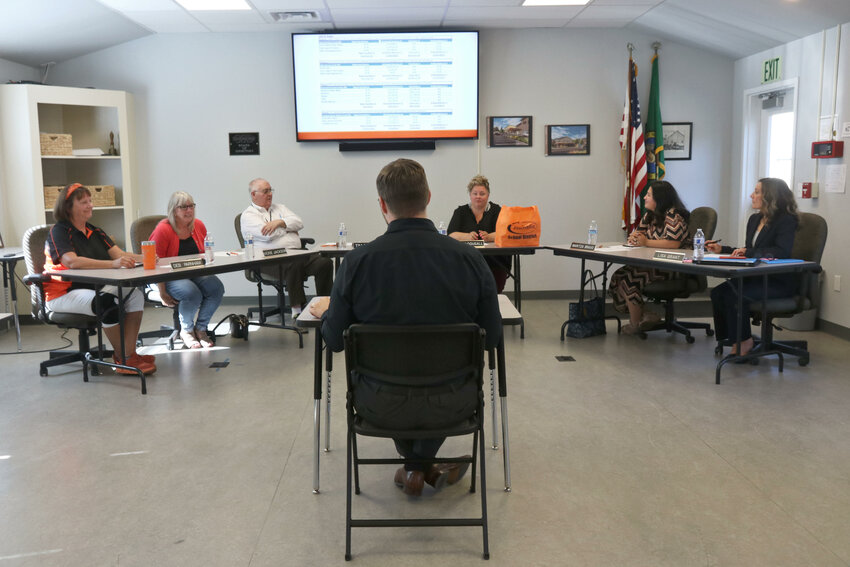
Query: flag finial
(656,46)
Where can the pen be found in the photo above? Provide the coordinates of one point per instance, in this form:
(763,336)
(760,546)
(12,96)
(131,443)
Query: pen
(714,241)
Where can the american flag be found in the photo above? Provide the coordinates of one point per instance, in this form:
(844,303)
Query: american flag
(631,140)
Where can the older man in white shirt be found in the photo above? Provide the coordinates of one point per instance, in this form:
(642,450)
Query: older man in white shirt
(273,225)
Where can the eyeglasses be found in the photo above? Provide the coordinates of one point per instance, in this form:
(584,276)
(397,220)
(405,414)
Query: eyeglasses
(186,207)
(268,191)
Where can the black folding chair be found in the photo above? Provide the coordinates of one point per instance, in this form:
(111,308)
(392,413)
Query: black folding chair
(394,376)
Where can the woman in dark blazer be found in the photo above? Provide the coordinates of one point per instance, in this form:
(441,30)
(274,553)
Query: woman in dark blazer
(770,234)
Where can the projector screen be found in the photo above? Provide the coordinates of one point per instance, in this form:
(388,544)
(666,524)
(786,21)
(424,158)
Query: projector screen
(386,85)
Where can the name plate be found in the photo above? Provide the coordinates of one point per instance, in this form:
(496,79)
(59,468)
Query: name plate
(187,263)
(274,252)
(582,246)
(475,242)
(358,244)
(674,256)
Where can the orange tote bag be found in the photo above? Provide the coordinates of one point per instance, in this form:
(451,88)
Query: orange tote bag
(518,226)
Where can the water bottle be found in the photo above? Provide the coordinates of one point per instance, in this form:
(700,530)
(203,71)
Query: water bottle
(592,233)
(342,236)
(209,244)
(442,228)
(699,245)
(249,246)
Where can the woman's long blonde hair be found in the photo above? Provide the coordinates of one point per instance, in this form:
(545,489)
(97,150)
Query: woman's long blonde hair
(179,198)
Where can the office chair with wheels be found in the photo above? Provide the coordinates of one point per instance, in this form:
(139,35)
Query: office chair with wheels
(86,325)
(394,375)
(809,243)
(140,230)
(683,285)
(257,277)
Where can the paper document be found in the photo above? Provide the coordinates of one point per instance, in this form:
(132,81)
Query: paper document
(614,248)
(87,152)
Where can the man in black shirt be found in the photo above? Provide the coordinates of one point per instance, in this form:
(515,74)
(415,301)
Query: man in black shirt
(411,275)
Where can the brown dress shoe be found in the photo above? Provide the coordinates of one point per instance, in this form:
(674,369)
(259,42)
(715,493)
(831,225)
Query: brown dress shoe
(410,482)
(442,474)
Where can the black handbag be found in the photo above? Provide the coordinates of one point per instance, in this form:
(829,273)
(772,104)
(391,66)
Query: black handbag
(587,316)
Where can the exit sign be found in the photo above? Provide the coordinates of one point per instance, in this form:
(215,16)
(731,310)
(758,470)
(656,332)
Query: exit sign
(771,70)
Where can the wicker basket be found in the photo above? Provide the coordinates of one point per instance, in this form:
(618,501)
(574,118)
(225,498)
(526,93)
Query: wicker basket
(101,195)
(56,144)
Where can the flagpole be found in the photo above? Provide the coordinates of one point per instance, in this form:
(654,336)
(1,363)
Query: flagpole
(625,141)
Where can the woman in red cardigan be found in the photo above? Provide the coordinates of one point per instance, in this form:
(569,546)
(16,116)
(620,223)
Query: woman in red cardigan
(181,234)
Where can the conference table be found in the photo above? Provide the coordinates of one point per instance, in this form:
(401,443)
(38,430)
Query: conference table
(124,278)
(616,253)
(9,258)
(488,249)
(510,317)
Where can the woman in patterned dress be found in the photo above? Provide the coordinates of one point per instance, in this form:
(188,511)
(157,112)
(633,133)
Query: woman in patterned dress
(665,225)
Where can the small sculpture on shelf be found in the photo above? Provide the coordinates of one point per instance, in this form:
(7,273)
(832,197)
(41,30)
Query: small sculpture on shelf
(112,151)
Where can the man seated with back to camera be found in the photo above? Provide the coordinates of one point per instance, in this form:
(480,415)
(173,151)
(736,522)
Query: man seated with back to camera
(411,275)
(273,225)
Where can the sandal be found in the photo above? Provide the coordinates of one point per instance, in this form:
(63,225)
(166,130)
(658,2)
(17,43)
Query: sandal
(204,338)
(189,339)
(629,329)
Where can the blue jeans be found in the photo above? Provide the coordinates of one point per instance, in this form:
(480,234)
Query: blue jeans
(197,295)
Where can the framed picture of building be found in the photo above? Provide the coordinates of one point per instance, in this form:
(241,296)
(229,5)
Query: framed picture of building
(568,140)
(509,131)
(677,140)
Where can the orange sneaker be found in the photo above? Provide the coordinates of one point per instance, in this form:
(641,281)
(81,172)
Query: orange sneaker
(136,361)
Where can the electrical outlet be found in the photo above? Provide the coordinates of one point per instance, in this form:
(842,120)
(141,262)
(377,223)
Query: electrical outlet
(836,283)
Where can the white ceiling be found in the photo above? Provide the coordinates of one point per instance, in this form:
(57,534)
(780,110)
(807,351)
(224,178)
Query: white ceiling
(34,32)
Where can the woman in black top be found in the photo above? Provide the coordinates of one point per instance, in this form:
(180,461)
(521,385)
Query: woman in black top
(770,234)
(477,221)
(74,243)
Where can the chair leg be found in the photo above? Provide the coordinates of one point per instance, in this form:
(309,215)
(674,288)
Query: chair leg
(350,470)
(474,458)
(483,474)
(356,464)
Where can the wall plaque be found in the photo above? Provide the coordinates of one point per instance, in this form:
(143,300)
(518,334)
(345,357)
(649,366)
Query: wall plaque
(244,143)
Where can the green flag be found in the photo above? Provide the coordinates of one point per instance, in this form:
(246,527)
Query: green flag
(654,134)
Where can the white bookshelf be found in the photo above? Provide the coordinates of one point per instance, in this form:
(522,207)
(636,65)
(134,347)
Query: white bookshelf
(89,115)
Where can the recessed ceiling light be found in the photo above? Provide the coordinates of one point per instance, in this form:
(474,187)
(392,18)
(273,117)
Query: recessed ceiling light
(200,5)
(555,2)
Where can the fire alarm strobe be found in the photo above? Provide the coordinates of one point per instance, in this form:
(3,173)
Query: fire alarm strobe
(828,149)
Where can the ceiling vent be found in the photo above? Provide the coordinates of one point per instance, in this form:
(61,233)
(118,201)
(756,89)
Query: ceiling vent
(296,17)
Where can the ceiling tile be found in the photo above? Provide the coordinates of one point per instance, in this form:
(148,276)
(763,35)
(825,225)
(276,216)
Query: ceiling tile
(171,21)
(535,13)
(224,17)
(389,24)
(490,3)
(287,5)
(649,3)
(410,15)
(126,6)
(335,5)
(498,23)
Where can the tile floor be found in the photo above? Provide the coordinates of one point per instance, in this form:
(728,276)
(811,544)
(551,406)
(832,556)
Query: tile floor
(630,455)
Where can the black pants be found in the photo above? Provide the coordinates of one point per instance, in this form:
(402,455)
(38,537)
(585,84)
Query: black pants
(724,303)
(294,274)
(418,449)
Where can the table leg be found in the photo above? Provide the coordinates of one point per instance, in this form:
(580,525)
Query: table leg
(317,407)
(503,395)
(9,282)
(494,418)
(329,367)
(518,292)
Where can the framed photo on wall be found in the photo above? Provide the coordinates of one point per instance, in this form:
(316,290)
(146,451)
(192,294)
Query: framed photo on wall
(568,140)
(677,140)
(509,131)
